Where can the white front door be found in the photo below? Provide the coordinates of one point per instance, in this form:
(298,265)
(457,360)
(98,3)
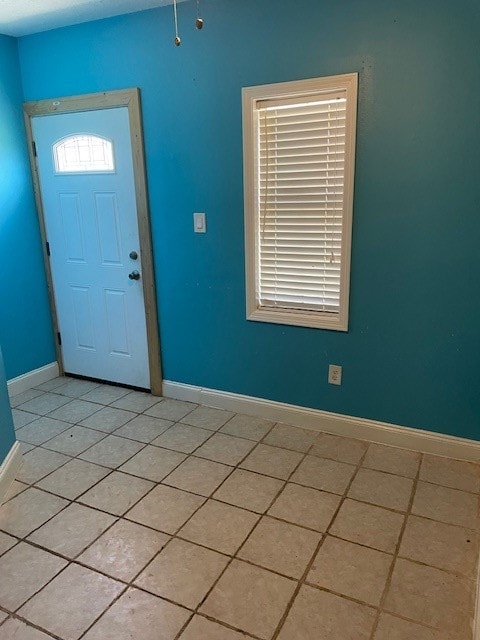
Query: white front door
(88,193)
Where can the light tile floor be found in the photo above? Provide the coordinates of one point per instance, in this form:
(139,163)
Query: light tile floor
(137,517)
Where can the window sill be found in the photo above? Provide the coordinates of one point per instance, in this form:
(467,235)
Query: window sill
(312,319)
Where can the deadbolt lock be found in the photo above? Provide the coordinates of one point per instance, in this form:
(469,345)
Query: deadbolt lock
(133,255)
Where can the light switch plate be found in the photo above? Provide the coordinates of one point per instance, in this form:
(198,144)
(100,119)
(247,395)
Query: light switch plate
(199,223)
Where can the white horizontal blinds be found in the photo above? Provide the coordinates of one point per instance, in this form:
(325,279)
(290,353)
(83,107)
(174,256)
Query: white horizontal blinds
(301,165)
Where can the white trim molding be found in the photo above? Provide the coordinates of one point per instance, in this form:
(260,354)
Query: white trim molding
(9,469)
(335,423)
(32,379)
(256,102)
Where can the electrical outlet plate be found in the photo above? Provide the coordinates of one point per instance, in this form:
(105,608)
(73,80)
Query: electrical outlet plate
(334,374)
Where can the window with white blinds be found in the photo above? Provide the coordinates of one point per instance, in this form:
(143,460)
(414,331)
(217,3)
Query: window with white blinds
(299,141)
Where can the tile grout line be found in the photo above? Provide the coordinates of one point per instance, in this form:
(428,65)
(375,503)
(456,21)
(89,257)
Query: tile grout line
(234,556)
(388,582)
(302,580)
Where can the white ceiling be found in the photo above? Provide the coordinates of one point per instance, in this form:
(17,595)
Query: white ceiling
(23,17)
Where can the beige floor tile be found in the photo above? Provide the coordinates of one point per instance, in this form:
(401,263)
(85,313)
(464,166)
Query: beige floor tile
(108,419)
(153,463)
(351,570)
(27,511)
(440,545)
(136,401)
(447,505)
(41,430)
(249,490)
(208,418)
(282,547)
(105,394)
(380,488)
(112,451)
(144,428)
(72,530)
(15,629)
(339,448)
(165,508)
(50,385)
(25,448)
(69,604)
(219,526)
(74,441)
(455,474)
(183,572)
(431,596)
(290,437)
(247,427)
(392,628)
(306,507)
(74,388)
(249,598)
(75,411)
(15,488)
(182,437)
(139,615)
(171,409)
(198,476)
(117,493)
(393,460)
(25,570)
(124,550)
(6,542)
(44,404)
(25,396)
(224,448)
(202,629)
(317,615)
(21,418)
(38,463)
(368,525)
(73,479)
(272,461)
(327,475)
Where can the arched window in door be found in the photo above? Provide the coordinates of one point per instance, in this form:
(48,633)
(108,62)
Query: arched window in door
(83,153)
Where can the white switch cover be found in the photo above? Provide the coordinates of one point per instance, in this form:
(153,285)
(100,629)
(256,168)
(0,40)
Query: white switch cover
(199,223)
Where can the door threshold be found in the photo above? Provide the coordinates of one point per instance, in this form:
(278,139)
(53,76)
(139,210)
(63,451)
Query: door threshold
(100,381)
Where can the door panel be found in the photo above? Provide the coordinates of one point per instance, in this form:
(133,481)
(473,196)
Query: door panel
(106,213)
(91,225)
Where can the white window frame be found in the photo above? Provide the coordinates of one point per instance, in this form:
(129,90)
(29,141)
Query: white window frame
(250,97)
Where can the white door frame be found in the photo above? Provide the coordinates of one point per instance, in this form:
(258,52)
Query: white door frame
(129,98)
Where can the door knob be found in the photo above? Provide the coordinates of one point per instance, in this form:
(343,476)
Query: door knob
(134,275)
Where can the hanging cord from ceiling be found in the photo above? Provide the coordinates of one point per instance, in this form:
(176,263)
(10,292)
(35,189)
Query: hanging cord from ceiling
(178,40)
(198,22)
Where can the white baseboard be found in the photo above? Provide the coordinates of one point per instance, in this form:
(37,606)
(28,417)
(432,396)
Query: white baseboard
(9,469)
(335,423)
(32,379)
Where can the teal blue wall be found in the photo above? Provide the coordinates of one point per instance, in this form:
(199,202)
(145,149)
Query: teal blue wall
(7,433)
(25,324)
(412,354)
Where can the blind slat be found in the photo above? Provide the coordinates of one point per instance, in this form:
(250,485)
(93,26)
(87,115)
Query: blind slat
(301,161)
